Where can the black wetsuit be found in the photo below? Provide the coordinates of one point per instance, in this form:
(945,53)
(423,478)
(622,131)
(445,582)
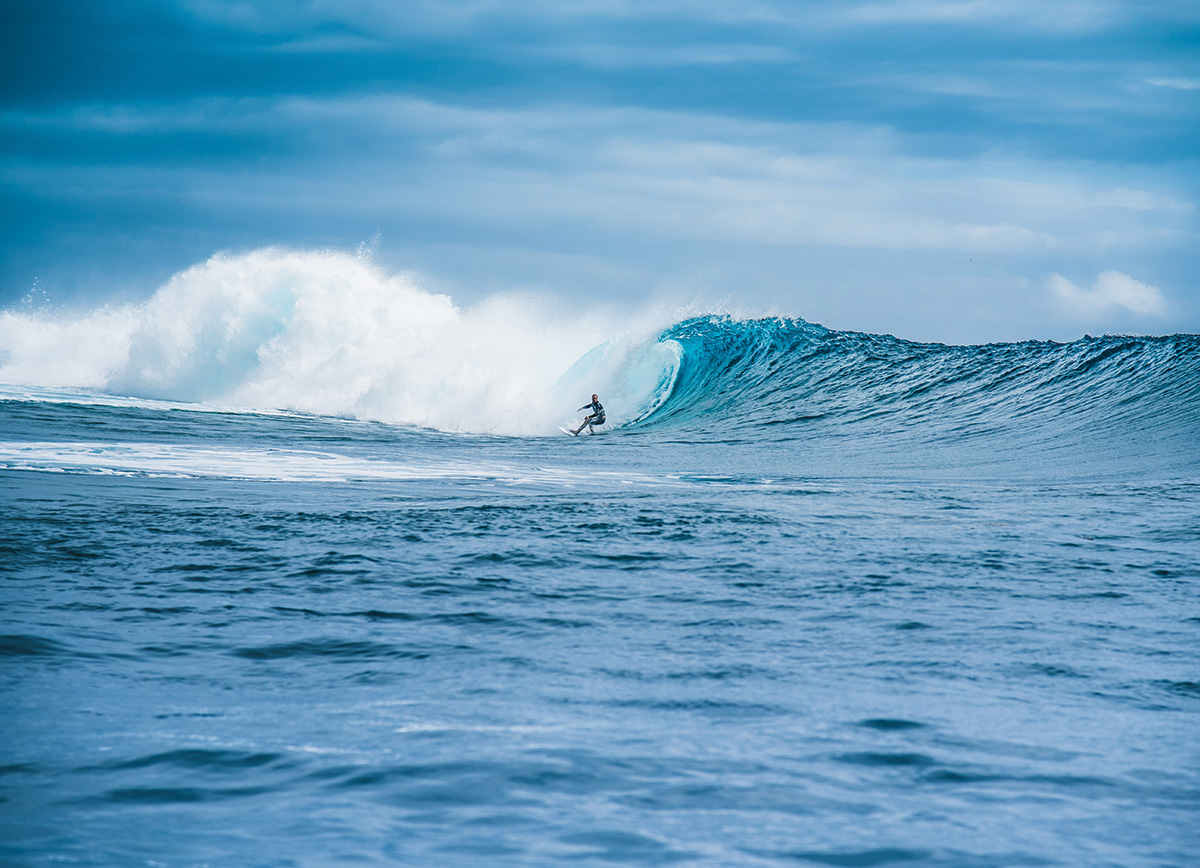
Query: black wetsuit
(597,414)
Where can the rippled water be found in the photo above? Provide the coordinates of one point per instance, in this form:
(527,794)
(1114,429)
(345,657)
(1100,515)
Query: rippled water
(271,640)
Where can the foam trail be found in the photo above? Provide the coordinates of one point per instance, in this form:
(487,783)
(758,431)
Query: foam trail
(333,334)
(282,465)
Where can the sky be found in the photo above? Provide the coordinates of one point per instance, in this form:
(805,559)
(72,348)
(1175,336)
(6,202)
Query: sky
(969,171)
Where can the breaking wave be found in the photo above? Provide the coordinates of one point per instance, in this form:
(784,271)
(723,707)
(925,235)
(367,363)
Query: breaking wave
(332,334)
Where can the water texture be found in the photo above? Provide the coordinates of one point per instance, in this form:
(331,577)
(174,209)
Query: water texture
(816,598)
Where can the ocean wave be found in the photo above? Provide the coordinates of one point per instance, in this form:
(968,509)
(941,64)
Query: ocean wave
(332,334)
(787,379)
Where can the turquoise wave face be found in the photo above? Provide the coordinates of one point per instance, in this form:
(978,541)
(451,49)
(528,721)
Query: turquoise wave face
(1117,400)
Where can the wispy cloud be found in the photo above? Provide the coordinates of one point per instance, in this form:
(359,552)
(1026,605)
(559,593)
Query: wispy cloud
(1112,290)
(437,15)
(609,56)
(1175,83)
(1026,14)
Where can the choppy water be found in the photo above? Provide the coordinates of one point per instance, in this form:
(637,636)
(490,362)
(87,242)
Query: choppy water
(819,599)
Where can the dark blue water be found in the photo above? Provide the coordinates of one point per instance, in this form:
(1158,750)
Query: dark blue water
(829,599)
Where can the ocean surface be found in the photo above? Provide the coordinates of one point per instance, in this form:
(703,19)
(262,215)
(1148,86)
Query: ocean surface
(303,574)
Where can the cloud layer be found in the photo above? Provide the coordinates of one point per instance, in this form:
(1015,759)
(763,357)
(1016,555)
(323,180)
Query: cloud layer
(910,167)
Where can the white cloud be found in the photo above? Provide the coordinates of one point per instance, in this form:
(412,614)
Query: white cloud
(1139,200)
(1176,83)
(1112,290)
(607,56)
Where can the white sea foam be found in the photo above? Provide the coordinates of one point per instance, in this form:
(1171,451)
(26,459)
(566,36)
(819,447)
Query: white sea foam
(332,333)
(283,465)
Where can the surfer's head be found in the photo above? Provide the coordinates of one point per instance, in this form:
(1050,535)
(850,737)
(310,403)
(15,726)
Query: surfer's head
(595,397)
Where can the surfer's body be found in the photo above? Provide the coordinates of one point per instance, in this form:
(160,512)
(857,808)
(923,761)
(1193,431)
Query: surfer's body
(596,417)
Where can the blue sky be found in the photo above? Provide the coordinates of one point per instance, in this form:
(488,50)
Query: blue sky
(955,171)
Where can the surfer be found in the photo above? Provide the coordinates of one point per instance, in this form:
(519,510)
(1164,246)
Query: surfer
(596,417)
